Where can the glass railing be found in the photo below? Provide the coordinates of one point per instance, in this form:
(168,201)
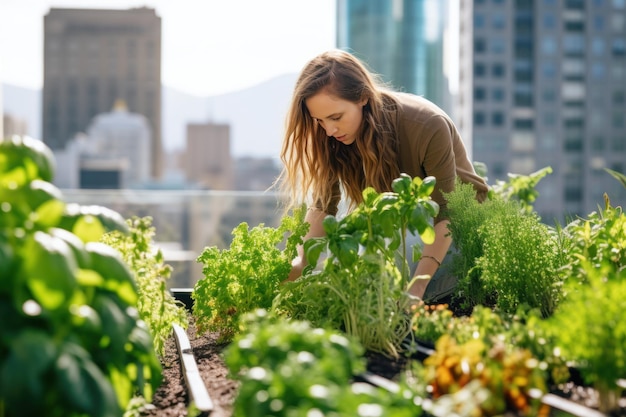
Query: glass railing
(187,221)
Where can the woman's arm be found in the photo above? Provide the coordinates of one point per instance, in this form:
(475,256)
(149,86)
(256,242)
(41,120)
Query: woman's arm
(432,256)
(314,217)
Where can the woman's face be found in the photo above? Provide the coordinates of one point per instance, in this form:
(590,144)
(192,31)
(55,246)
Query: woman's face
(340,118)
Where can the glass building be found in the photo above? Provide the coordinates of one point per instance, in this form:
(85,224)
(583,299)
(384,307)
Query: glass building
(400,40)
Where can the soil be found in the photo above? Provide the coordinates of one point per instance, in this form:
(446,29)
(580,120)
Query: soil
(171,398)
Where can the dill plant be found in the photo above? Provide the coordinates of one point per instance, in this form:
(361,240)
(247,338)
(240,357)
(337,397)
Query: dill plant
(506,256)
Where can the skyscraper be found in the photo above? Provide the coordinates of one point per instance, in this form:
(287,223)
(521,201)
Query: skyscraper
(401,40)
(543,83)
(93,58)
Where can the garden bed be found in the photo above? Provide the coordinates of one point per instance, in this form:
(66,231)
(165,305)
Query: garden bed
(173,398)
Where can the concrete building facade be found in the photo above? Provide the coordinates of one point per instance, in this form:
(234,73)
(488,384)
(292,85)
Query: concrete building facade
(208,161)
(93,57)
(543,83)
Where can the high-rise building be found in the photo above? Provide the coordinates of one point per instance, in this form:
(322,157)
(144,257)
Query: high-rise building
(208,161)
(400,40)
(543,83)
(92,58)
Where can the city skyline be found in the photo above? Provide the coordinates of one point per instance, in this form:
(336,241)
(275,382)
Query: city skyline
(233,49)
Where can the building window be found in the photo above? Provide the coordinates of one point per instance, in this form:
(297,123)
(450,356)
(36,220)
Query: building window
(619,47)
(549,119)
(618,120)
(619,4)
(548,95)
(573,194)
(548,46)
(479,93)
(574,45)
(598,23)
(597,144)
(598,70)
(523,124)
(549,21)
(497,119)
(618,144)
(597,46)
(497,70)
(479,21)
(497,94)
(498,21)
(498,45)
(479,118)
(548,69)
(479,69)
(480,46)
(618,97)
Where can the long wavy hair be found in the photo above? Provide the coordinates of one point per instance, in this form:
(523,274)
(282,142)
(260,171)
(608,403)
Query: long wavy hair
(313,163)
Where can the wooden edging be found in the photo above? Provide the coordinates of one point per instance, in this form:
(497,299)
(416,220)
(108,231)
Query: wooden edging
(551,400)
(198,393)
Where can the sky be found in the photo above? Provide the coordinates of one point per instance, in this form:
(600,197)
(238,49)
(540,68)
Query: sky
(209,47)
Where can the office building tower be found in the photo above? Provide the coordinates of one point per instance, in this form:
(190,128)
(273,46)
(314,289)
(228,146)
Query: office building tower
(208,161)
(92,58)
(401,40)
(543,83)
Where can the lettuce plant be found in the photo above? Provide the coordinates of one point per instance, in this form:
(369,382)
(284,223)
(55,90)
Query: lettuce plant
(247,275)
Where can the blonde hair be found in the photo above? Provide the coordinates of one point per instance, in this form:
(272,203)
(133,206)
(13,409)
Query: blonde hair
(313,165)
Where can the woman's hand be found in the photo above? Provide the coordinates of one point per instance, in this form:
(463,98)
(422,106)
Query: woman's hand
(297,266)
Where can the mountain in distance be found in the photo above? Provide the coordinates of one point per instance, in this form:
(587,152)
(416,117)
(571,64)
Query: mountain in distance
(256,115)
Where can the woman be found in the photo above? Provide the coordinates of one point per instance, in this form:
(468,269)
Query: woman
(346,132)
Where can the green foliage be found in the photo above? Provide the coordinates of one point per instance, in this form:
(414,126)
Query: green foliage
(507,257)
(362,285)
(618,176)
(589,325)
(520,261)
(71,342)
(157,307)
(288,368)
(521,188)
(247,275)
(599,239)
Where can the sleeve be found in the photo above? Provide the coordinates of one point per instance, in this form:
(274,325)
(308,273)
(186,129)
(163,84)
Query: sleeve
(439,159)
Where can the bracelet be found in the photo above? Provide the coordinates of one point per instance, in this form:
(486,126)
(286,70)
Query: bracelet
(433,258)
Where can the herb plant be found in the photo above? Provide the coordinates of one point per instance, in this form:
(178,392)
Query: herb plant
(362,287)
(157,307)
(247,275)
(590,330)
(71,341)
(506,256)
(288,368)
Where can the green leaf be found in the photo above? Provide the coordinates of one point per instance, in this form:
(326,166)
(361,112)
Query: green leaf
(31,156)
(109,264)
(85,386)
(31,353)
(313,248)
(618,176)
(88,228)
(329,224)
(49,270)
